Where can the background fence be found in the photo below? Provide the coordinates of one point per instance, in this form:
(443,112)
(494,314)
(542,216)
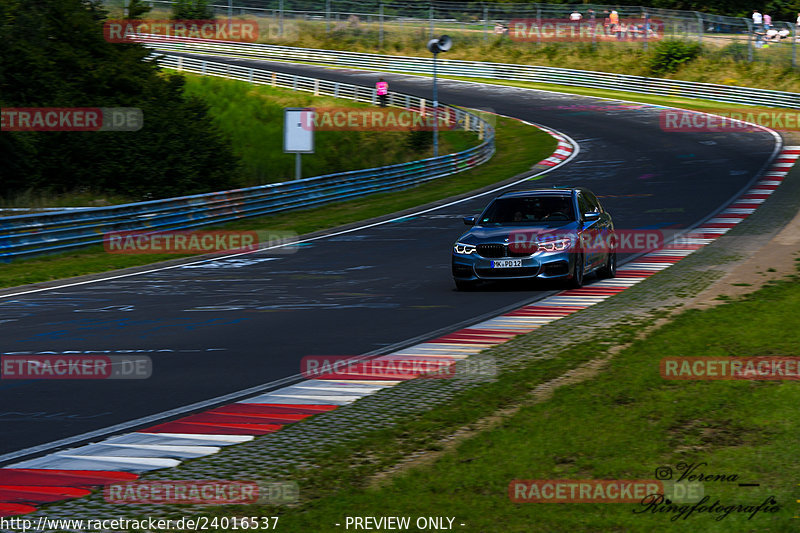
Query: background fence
(385,21)
(481,69)
(26,235)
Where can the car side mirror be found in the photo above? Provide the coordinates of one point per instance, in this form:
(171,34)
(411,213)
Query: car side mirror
(589,217)
(469,221)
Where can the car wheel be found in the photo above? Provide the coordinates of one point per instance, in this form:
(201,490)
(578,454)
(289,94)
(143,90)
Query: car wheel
(462,285)
(609,270)
(576,282)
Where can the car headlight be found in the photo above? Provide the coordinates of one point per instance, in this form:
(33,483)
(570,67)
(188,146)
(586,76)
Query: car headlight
(558,245)
(463,249)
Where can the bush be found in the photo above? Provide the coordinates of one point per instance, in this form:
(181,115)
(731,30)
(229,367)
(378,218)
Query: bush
(669,55)
(419,140)
(192,10)
(735,51)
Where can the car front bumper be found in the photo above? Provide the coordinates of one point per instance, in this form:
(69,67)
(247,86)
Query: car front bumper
(552,265)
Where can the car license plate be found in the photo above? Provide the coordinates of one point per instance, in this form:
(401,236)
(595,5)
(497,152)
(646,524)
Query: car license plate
(507,263)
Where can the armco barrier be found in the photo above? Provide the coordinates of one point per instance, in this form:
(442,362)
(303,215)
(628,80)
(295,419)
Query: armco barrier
(27,235)
(479,69)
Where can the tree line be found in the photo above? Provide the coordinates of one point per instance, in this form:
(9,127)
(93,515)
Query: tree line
(53,54)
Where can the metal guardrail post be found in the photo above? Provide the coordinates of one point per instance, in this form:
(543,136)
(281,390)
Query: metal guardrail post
(538,23)
(646,17)
(280,19)
(700,28)
(327,16)
(485,23)
(750,37)
(380,30)
(431,21)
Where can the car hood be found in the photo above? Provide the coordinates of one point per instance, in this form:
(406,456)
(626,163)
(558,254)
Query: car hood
(483,234)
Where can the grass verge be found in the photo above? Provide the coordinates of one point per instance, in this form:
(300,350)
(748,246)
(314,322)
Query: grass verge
(251,116)
(622,424)
(518,147)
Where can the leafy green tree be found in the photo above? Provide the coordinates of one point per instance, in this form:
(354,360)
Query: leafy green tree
(53,54)
(136,9)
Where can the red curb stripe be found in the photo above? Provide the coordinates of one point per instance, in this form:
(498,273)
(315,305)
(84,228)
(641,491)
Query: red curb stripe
(660,259)
(559,308)
(258,409)
(233,418)
(62,478)
(581,292)
(14,509)
(472,336)
(636,273)
(282,418)
(541,314)
(207,429)
(288,407)
(33,494)
(721,224)
(370,376)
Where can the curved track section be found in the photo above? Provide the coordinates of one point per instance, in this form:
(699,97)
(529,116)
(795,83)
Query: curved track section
(215,328)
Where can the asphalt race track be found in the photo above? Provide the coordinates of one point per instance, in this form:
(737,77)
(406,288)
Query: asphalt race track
(221,326)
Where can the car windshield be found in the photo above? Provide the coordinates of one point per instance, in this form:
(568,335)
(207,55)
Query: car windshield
(532,210)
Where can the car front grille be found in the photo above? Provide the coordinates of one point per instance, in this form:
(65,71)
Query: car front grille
(492,251)
(496,251)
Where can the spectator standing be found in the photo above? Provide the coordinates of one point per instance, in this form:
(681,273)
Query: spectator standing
(757,20)
(382,90)
(613,20)
(575,16)
(767,21)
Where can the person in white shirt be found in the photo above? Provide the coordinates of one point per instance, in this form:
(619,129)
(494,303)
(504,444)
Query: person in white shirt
(575,16)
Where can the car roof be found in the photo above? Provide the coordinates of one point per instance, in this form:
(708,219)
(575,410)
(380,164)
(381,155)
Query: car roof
(533,193)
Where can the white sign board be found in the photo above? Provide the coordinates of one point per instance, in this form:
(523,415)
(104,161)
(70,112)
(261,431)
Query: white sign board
(296,138)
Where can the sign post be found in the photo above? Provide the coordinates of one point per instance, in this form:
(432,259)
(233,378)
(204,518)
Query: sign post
(436,46)
(298,134)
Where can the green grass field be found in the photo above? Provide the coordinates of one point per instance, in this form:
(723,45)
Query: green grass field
(252,117)
(622,424)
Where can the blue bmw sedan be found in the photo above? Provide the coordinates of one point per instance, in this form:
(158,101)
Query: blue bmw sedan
(535,234)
